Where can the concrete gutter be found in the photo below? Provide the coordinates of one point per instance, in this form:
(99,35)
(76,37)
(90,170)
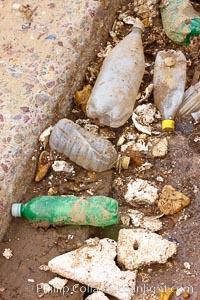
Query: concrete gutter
(43,59)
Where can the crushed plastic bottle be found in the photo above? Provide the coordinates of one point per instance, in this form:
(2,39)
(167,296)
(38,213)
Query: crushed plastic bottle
(191,101)
(114,94)
(169,84)
(180,21)
(95,211)
(86,149)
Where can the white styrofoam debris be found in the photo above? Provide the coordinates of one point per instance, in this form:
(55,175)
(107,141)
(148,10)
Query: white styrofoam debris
(139,127)
(180,291)
(138,219)
(87,266)
(160,147)
(145,113)
(138,247)
(45,134)
(187,265)
(145,166)
(7,253)
(58,283)
(97,296)
(62,166)
(147,93)
(141,192)
(31,280)
(140,145)
(87,124)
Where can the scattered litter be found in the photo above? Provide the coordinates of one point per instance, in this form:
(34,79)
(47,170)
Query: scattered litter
(191,101)
(62,166)
(52,191)
(44,163)
(90,261)
(125,220)
(187,265)
(7,253)
(166,294)
(122,162)
(43,268)
(44,137)
(141,192)
(82,96)
(145,166)
(160,147)
(58,283)
(172,201)
(87,124)
(139,127)
(146,113)
(159,178)
(124,17)
(138,219)
(147,93)
(138,247)
(104,52)
(97,296)
(180,291)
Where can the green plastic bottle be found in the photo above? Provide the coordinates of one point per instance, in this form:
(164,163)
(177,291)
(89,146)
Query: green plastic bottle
(180,21)
(95,211)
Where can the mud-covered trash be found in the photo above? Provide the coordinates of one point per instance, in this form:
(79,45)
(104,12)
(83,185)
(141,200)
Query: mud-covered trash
(122,163)
(58,283)
(7,253)
(160,147)
(63,166)
(166,294)
(115,91)
(140,191)
(94,211)
(180,21)
(146,8)
(86,149)
(96,267)
(145,96)
(191,101)
(138,219)
(169,85)
(97,296)
(172,201)
(44,163)
(82,96)
(138,247)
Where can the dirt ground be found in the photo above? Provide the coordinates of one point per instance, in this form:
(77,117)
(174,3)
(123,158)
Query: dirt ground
(33,246)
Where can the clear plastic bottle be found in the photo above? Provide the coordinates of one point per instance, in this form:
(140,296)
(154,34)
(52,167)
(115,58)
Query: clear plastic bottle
(114,94)
(180,21)
(86,149)
(95,211)
(191,101)
(169,84)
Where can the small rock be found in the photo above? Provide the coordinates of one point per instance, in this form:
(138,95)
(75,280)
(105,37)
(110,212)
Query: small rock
(44,268)
(141,192)
(97,296)
(82,96)
(172,201)
(87,266)
(62,166)
(2,289)
(137,247)
(16,6)
(58,283)
(52,191)
(160,148)
(44,164)
(187,265)
(7,253)
(31,280)
(186,296)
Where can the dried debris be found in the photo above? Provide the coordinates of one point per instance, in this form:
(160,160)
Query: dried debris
(138,247)
(172,201)
(44,137)
(160,147)
(7,253)
(145,96)
(63,166)
(82,96)
(44,163)
(140,192)
(138,219)
(97,296)
(90,261)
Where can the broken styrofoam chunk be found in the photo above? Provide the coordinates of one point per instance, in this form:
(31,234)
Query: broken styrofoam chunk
(139,127)
(147,93)
(141,192)
(145,113)
(58,283)
(97,296)
(62,166)
(7,253)
(138,247)
(44,136)
(172,201)
(87,266)
(160,147)
(140,145)
(138,219)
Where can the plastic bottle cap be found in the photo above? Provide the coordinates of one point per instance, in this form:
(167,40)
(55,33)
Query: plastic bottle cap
(16,210)
(168,125)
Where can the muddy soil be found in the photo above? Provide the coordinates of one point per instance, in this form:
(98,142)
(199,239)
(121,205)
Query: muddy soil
(20,276)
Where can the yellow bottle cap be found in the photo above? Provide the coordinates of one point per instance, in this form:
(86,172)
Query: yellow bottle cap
(168,125)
